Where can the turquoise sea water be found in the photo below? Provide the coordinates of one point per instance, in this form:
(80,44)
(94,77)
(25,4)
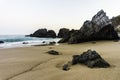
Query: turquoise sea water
(18,40)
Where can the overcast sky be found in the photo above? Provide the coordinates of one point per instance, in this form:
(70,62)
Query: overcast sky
(26,16)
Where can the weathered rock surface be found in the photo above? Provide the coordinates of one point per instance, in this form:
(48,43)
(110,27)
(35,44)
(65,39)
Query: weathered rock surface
(99,28)
(44,33)
(91,59)
(53,52)
(1,42)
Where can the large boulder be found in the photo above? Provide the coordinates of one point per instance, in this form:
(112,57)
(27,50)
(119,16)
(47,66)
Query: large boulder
(44,33)
(99,28)
(91,59)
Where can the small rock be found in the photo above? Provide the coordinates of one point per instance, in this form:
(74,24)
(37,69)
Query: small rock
(50,47)
(43,42)
(53,52)
(66,67)
(25,42)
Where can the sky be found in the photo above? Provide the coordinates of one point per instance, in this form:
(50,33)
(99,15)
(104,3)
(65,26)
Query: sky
(26,16)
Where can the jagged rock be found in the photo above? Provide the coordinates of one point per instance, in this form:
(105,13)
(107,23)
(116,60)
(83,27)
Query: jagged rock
(91,59)
(101,20)
(53,52)
(99,28)
(1,42)
(44,33)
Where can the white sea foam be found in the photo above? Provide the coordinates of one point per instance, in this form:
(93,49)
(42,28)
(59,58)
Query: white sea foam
(12,41)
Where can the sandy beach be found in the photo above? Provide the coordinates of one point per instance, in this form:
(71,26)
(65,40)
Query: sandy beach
(33,63)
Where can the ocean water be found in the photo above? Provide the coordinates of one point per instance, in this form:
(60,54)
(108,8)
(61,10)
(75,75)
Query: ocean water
(11,41)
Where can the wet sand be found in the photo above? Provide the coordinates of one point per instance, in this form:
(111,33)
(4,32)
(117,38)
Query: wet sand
(33,63)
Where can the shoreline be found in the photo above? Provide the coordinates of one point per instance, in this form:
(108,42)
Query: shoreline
(33,63)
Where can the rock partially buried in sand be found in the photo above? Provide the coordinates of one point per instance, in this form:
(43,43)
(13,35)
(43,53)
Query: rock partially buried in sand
(91,59)
(53,52)
(66,67)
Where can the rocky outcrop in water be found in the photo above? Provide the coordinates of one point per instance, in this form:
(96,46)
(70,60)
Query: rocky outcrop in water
(99,28)
(1,42)
(44,33)
(91,59)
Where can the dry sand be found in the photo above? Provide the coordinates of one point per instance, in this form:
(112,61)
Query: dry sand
(33,63)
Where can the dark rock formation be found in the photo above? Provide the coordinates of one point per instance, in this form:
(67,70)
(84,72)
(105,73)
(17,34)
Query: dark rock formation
(53,52)
(91,59)
(1,42)
(51,33)
(65,36)
(40,33)
(99,28)
(44,33)
(64,33)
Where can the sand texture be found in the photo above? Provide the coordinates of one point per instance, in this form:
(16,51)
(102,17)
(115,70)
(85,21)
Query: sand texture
(33,63)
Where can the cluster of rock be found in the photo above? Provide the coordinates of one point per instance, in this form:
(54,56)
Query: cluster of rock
(91,59)
(99,28)
(44,33)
